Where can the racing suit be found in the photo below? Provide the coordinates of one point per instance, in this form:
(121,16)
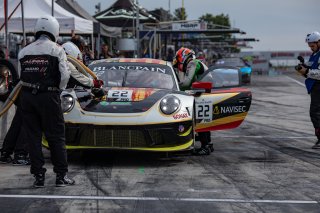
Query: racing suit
(14,140)
(43,69)
(78,78)
(313,87)
(195,68)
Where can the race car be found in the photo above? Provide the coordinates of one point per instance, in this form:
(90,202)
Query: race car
(244,67)
(141,107)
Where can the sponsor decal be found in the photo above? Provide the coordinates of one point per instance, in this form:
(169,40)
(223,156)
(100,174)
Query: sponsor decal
(204,110)
(131,67)
(216,110)
(232,109)
(181,128)
(36,61)
(120,103)
(180,116)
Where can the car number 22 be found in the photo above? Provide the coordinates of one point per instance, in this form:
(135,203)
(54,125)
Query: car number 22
(123,95)
(204,112)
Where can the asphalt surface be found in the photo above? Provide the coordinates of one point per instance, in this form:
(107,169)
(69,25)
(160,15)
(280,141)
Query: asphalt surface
(265,165)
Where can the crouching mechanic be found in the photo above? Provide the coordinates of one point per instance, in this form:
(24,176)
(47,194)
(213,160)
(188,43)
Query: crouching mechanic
(42,66)
(311,71)
(190,69)
(77,77)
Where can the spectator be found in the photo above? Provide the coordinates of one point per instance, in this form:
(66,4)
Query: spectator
(105,52)
(170,54)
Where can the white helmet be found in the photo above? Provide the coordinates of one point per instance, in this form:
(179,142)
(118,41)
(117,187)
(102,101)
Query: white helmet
(47,25)
(72,50)
(313,37)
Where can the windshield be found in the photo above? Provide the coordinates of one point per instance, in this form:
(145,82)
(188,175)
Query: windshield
(223,77)
(237,62)
(135,75)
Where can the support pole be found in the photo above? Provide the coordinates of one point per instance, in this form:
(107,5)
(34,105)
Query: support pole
(52,8)
(6,27)
(23,28)
(137,29)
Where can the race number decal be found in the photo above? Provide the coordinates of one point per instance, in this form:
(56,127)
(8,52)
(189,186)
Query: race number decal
(204,111)
(120,95)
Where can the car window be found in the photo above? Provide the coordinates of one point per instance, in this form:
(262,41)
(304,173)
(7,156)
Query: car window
(137,78)
(136,75)
(222,77)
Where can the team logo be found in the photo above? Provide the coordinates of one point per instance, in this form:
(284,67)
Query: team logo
(181,128)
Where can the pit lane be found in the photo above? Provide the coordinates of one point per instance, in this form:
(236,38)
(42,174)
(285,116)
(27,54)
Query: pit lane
(265,165)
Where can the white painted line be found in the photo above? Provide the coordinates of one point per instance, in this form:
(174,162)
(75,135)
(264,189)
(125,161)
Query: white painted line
(158,199)
(257,136)
(260,136)
(298,82)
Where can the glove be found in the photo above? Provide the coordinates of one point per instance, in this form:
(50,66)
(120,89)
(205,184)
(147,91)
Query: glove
(97,83)
(97,92)
(304,69)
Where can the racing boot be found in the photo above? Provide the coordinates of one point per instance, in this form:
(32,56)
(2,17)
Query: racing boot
(39,182)
(210,145)
(63,180)
(204,150)
(5,157)
(317,144)
(20,160)
(206,144)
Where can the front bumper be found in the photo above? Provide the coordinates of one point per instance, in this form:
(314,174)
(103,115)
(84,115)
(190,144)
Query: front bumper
(159,137)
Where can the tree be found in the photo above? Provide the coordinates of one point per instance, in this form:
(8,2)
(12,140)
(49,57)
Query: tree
(221,19)
(219,22)
(180,14)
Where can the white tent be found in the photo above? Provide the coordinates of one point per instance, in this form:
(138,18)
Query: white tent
(33,9)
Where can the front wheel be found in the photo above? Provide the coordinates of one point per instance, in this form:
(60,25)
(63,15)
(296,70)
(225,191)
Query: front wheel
(8,78)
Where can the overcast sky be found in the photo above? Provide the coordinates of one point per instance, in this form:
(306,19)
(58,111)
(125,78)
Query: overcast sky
(278,24)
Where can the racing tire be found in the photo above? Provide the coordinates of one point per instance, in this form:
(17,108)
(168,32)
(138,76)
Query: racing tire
(13,79)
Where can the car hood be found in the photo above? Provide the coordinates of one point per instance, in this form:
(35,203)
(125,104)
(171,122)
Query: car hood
(121,99)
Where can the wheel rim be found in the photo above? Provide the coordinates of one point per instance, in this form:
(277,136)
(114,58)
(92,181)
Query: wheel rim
(5,78)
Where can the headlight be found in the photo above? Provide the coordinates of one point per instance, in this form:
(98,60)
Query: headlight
(67,103)
(169,104)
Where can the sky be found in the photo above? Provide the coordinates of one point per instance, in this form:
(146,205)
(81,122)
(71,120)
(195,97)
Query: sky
(279,25)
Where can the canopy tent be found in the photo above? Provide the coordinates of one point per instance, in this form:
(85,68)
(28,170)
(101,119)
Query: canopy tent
(122,14)
(33,9)
(73,7)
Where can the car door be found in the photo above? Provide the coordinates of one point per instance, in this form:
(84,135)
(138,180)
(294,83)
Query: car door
(226,104)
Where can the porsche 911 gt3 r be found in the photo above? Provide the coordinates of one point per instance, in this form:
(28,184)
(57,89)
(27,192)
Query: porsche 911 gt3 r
(141,107)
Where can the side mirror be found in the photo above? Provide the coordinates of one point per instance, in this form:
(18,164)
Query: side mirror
(207,86)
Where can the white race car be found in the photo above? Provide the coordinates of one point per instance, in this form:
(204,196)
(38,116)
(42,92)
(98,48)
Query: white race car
(141,107)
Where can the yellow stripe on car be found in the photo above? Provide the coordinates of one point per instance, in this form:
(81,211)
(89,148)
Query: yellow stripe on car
(225,120)
(161,149)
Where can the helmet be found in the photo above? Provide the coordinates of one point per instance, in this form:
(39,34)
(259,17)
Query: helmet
(72,50)
(47,25)
(182,56)
(313,37)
